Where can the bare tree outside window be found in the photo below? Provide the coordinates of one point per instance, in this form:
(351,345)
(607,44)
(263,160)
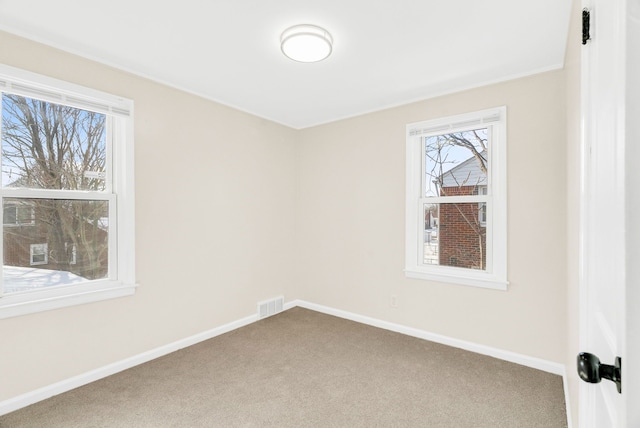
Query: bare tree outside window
(52,146)
(56,147)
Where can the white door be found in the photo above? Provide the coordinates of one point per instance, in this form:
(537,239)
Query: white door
(631,371)
(610,179)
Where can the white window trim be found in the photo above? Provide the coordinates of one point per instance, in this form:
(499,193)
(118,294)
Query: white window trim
(495,277)
(121,281)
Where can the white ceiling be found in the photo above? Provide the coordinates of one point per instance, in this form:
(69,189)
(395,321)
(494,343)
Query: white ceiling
(386,52)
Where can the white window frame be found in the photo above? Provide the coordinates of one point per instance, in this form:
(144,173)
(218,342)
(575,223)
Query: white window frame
(120,194)
(37,250)
(495,275)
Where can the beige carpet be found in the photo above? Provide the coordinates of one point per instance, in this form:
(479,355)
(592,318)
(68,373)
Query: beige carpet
(302,368)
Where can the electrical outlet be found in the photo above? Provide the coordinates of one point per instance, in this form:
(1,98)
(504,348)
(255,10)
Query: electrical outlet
(394,301)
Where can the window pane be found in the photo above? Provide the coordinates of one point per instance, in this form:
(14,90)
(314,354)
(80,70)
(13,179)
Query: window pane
(431,254)
(10,216)
(18,213)
(456,163)
(67,243)
(455,236)
(51,146)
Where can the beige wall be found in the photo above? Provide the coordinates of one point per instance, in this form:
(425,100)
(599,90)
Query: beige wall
(351,222)
(233,209)
(214,214)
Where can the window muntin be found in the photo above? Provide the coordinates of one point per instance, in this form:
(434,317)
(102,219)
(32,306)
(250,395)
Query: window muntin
(456,178)
(67,173)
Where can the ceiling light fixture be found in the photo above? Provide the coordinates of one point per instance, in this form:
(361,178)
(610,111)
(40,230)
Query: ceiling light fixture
(306,43)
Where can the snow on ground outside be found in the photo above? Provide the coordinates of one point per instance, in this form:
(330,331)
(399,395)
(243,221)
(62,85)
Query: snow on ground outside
(23,278)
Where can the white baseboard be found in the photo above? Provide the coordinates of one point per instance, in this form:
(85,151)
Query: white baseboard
(567,400)
(525,360)
(93,375)
(48,391)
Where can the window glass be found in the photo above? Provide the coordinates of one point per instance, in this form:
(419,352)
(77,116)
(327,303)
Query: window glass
(458,240)
(456,163)
(52,146)
(75,234)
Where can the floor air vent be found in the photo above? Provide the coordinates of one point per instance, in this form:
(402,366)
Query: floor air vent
(270,307)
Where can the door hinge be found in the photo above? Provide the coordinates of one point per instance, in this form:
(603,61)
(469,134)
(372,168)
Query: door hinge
(586,15)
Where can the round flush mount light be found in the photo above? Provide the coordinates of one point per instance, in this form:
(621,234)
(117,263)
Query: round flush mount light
(306,43)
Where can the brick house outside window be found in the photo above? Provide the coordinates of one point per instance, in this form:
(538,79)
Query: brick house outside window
(462,229)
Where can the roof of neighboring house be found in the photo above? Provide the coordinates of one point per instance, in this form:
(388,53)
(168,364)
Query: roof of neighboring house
(468,173)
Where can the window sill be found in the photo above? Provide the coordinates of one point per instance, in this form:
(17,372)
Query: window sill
(480,279)
(14,305)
